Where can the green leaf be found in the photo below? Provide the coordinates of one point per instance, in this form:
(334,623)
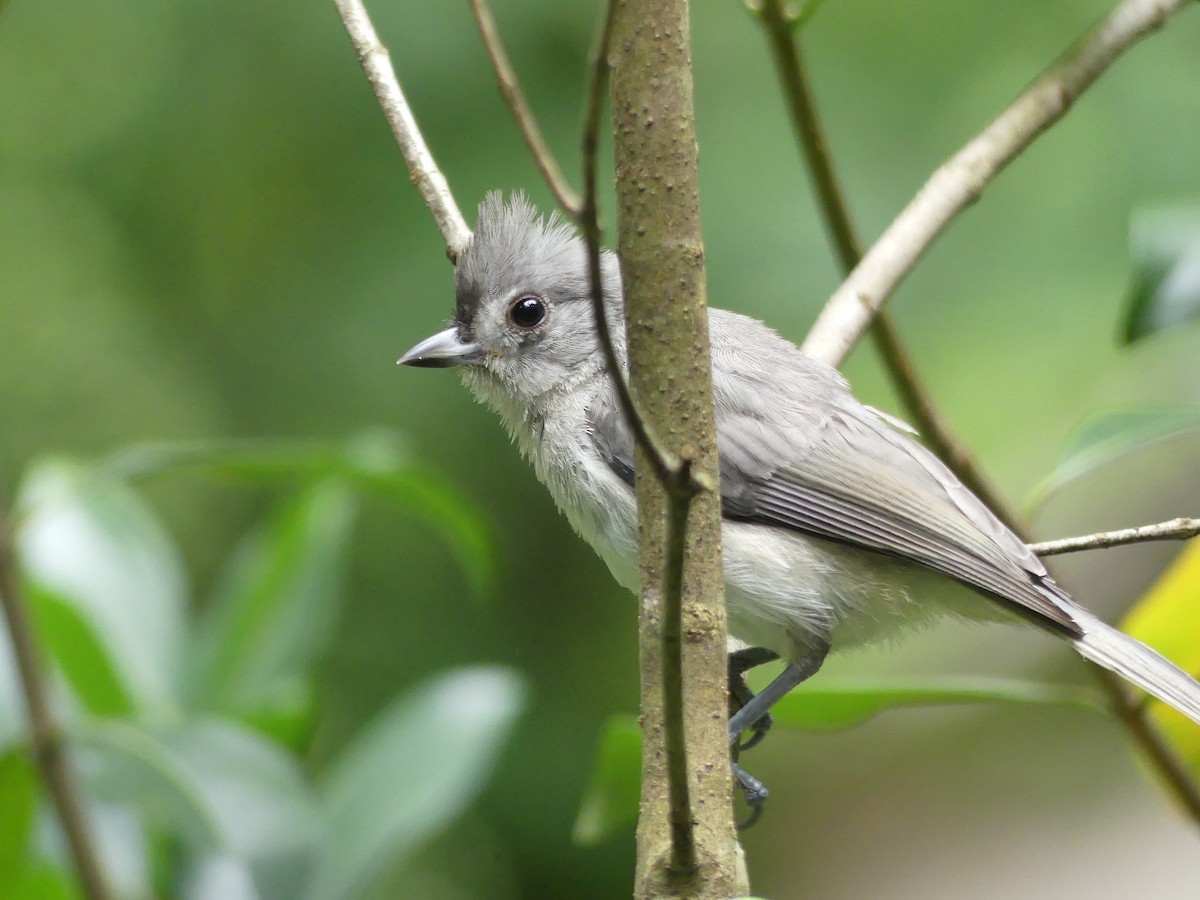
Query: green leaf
(41,881)
(413,770)
(222,789)
(828,706)
(375,463)
(262,459)
(1108,437)
(76,647)
(35,868)
(18,802)
(96,546)
(276,606)
(130,764)
(448,512)
(1165,245)
(610,802)
(123,848)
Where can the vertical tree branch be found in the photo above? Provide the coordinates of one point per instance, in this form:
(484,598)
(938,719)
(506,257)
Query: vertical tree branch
(673,472)
(421,167)
(44,734)
(687,846)
(962,179)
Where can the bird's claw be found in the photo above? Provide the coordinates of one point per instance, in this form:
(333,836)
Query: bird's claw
(753,791)
(758,730)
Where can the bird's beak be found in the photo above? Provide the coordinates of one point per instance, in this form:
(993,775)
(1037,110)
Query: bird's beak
(443,350)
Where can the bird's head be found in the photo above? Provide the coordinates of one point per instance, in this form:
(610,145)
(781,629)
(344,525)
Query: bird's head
(523,320)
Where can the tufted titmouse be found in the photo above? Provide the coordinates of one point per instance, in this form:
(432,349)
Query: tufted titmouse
(837,526)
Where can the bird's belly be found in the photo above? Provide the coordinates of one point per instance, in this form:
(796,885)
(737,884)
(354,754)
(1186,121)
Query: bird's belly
(790,592)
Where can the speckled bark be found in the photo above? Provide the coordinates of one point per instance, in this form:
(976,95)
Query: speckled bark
(662,259)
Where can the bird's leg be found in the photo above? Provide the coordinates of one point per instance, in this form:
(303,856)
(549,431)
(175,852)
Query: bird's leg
(760,705)
(741,662)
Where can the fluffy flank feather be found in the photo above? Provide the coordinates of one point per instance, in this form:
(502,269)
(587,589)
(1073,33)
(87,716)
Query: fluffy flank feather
(1134,661)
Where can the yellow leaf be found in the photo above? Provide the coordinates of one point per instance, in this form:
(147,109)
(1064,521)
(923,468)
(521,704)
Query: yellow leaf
(1168,619)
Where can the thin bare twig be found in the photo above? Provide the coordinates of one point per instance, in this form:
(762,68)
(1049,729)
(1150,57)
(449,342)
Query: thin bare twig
(1132,713)
(1176,530)
(510,89)
(421,166)
(679,792)
(44,733)
(962,179)
(671,471)
(936,433)
(781,30)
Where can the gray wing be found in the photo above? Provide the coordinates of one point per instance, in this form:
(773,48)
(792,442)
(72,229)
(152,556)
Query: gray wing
(798,451)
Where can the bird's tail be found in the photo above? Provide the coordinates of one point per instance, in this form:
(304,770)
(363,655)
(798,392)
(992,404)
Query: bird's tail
(1134,661)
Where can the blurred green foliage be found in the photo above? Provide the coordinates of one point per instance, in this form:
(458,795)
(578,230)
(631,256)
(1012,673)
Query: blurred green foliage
(206,235)
(192,729)
(1166,276)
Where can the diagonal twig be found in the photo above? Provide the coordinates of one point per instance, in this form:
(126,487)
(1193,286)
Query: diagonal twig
(510,89)
(781,30)
(422,169)
(962,179)
(1180,529)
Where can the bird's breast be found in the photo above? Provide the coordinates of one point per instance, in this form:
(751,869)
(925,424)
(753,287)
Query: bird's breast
(599,505)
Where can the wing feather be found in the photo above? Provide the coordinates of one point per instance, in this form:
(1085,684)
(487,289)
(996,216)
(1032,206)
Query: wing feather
(798,451)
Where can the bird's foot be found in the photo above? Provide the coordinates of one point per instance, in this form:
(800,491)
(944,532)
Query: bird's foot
(754,792)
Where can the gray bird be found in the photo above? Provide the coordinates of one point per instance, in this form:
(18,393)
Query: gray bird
(838,527)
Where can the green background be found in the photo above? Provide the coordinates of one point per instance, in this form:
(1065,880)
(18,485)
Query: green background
(207,231)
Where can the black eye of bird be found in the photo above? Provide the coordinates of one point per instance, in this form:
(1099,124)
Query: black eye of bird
(528,312)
